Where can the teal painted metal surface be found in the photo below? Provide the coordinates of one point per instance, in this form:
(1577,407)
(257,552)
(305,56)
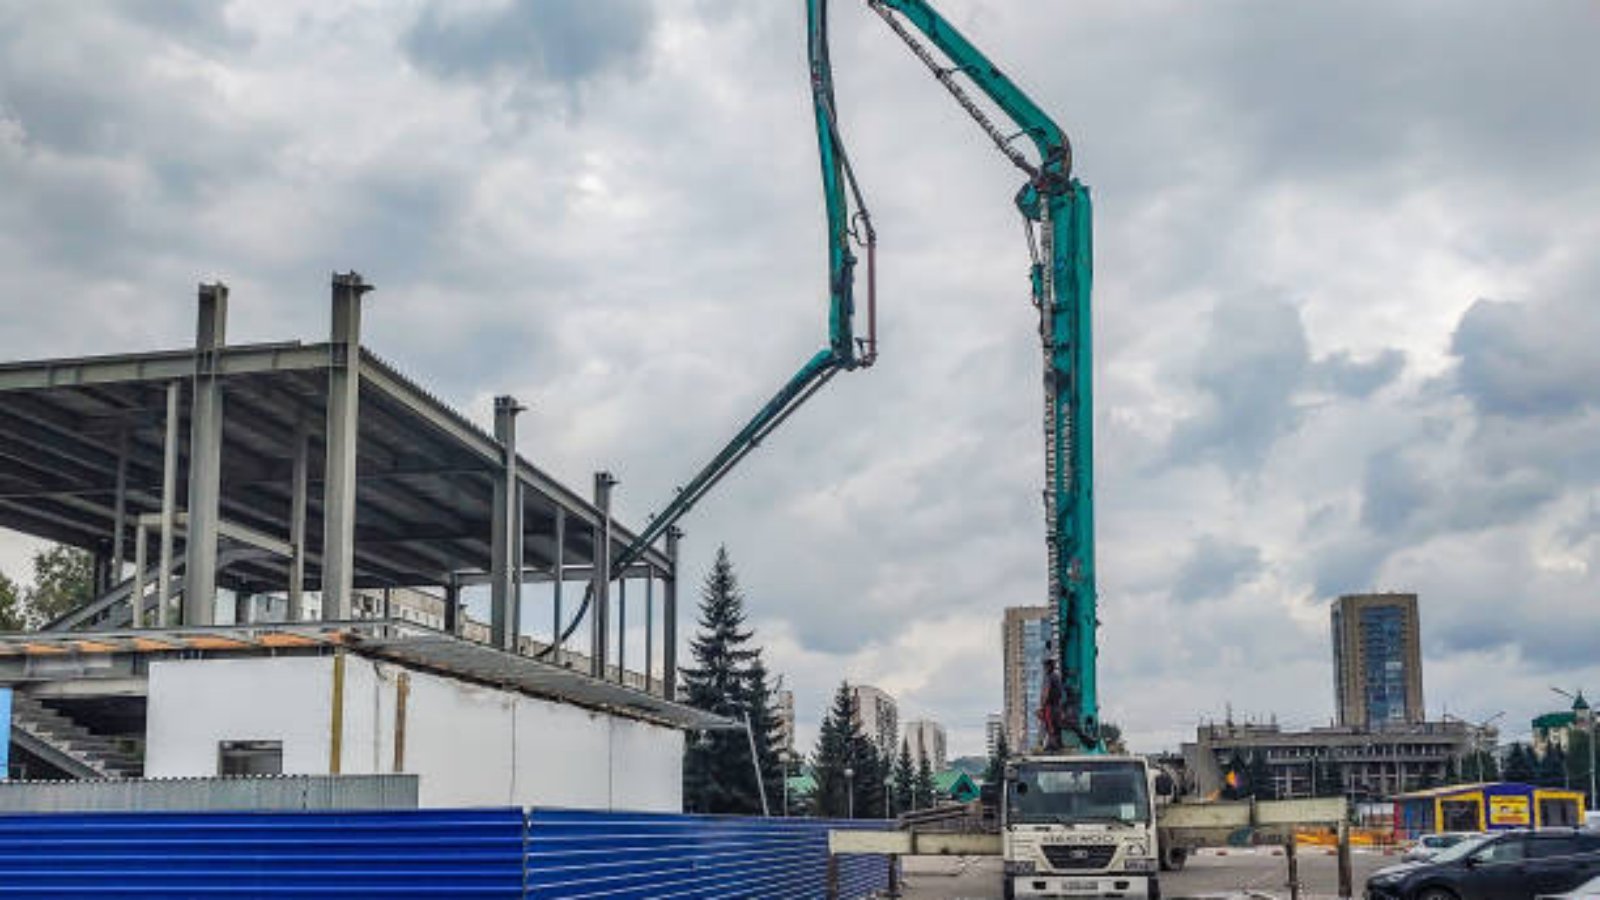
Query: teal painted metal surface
(1057,206)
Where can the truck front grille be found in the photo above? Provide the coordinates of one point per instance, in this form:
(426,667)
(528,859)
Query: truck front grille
(1079,856)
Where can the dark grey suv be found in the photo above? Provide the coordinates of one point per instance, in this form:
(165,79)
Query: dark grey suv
(1511,865)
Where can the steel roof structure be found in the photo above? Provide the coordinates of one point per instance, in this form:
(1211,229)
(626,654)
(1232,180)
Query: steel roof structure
(292,467)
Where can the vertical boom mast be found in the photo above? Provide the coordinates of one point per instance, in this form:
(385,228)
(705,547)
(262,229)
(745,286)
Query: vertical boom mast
(1056,212)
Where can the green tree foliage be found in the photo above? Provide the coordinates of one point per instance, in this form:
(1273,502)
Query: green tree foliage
(836,746)
(1551,769)
(904,781)
(728,679)
(1578,760)
(1111,736)
(871,778)
(997,763)
(63,580)
(13,606)
(924,792)
(1520,764)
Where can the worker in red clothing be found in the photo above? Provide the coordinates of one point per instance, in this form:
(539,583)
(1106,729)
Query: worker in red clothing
(1050,713)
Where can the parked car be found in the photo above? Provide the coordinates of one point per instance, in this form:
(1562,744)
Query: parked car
(1510,865)
(1429,845)
(1589,890)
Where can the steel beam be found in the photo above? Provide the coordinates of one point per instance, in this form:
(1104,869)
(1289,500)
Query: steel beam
(339,479)
(205,458)
(600,577)
(119,525)
(169,488)
(300,486)
(622,629)
(158,367)
(558,575)
(505,589)
(669,618)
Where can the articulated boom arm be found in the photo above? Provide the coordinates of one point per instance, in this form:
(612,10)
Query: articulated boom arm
(1056,211)
(844,351)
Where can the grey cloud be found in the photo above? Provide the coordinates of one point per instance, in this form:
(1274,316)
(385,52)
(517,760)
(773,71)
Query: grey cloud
(1530,359)
(1214,567)
(563,41)
(1343,374)
(1394,493)
(1254,357)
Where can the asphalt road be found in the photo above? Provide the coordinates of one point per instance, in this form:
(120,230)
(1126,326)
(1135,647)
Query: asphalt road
(1244,874)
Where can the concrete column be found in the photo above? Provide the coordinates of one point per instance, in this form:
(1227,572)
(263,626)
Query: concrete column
(669,618)
(600,579)
(299,488)
(339,475)
(169,490)
(558,575)
(205,458)
(505,563)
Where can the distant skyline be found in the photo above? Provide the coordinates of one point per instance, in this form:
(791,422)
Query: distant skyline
(1345,295)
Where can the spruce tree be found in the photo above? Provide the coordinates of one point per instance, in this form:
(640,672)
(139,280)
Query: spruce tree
(728,680)
(762,702)
(835,743)
(1519,765)
(924,792)
(1551,772)
(871,773)
(904,781)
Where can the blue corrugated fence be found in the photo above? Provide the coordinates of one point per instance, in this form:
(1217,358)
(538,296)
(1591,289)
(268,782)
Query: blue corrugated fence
(581,855)
(437,853)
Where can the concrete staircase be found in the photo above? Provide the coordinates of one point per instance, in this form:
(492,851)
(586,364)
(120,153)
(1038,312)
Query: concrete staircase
(63,743)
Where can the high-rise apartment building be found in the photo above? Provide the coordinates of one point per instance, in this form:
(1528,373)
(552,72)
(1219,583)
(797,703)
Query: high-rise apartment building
(880,717)
(993,729)
(1377,660)
(925,737)
(785,704)
(1025,639)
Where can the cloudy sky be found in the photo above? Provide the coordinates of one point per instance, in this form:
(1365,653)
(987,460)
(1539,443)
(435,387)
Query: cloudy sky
(1345,301)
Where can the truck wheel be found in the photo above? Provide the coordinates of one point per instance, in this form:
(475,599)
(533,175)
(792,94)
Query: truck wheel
(1173,859)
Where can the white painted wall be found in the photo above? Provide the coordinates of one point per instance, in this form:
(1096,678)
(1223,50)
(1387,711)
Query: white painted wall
(195,704)
(471,745)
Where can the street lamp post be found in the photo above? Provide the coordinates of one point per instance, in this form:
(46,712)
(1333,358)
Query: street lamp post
(1576,698)
(784,759)
(850,792)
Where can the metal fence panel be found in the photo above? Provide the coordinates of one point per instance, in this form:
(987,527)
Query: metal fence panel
(277,792)
(575,854)
(433,853)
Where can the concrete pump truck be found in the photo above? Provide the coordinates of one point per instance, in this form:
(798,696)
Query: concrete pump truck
(1076,821)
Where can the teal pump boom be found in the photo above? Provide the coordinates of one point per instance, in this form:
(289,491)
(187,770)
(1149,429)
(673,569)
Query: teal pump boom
(1056,212)
(847,222)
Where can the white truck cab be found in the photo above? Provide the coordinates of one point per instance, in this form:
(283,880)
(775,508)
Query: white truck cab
(1079,826)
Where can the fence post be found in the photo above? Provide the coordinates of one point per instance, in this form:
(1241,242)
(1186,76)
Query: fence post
(1345,889)
(833,876)
(1293,860)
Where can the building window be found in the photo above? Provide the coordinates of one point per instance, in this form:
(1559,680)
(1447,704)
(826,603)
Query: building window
(250,758)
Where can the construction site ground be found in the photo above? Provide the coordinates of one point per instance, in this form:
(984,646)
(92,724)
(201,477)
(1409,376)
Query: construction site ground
(1240,873)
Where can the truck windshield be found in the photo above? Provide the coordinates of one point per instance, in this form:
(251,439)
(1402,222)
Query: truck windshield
(1067,792)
